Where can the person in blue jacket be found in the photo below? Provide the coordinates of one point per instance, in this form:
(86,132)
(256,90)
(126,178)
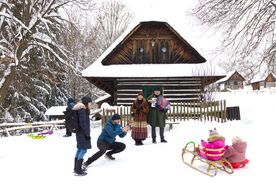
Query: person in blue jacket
(106,140)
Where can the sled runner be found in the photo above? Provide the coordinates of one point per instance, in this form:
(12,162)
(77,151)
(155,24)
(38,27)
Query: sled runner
(191,157)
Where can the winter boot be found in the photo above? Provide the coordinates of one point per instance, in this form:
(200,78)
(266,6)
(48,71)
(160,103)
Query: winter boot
(108,156)
(136,142)
(140,142)
(75,165)
(79,171)
(153,140)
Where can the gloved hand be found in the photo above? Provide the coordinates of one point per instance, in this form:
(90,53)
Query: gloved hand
(138,109)
(87,137)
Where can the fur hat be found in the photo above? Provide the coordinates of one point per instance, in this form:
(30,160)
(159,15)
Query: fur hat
(86,100)
(115,117)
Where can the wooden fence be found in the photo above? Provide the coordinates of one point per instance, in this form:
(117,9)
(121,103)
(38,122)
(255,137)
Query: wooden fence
(8,129)
(202,111)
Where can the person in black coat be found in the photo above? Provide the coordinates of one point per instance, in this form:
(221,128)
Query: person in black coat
(82,135)
(70,105)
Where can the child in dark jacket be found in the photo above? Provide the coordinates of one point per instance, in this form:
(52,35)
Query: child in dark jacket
(235,154)
(70,105)
(106,140)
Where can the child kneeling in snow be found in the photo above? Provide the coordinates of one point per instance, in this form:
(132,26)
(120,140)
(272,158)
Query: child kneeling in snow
(235,154)
(214,148)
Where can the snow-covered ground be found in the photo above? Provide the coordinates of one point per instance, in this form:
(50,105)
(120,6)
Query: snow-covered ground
(50,160)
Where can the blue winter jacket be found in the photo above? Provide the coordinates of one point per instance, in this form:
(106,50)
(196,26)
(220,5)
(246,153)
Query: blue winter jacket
(110,131)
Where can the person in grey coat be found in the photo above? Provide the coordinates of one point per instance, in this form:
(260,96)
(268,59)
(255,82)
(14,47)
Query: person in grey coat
(83,134)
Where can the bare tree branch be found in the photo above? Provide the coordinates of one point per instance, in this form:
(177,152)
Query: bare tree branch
(248,27)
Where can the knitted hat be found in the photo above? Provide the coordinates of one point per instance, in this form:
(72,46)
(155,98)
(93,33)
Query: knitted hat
(157,89)
(70,100)
(115,117)
(213,132)
(86,100)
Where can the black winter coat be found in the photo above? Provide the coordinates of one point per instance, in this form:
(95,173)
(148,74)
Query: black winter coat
(84,133)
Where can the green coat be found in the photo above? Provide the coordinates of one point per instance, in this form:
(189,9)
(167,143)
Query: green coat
(156,117)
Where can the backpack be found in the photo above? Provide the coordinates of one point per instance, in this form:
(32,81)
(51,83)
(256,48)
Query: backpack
(72,120)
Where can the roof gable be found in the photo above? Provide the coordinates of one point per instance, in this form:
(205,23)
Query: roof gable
(270,78)
(151,43)
(232,75)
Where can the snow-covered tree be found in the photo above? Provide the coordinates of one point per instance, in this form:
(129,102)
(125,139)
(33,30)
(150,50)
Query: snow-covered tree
(32,56)
(249,31)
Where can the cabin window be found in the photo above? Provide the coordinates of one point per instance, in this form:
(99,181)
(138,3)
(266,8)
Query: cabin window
(140,51)
(164,54)
(164,49)
(151,51)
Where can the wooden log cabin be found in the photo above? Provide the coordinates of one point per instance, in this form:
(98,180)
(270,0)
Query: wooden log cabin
(259,82)
(233,80)
(147,55)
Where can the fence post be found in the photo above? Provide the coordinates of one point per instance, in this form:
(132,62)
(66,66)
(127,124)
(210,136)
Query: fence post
(174,113)
(177,112)
(184,111)
(224,110)
(200,110)
(103,117)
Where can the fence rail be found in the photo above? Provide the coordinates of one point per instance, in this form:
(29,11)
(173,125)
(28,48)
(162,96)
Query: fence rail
(8,129)
(203,111)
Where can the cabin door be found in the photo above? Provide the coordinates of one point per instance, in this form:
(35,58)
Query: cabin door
(148,90)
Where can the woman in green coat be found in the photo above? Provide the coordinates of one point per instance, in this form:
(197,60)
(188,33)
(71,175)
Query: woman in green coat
(156,117)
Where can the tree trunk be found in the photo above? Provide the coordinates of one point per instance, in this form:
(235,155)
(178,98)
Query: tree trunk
(4,90)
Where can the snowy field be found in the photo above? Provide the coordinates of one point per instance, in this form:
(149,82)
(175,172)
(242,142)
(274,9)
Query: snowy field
(26,160)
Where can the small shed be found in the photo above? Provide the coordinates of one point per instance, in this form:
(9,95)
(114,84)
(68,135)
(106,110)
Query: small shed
(150,54)
(267,81)
(55,112)
(233,80)
(270,80)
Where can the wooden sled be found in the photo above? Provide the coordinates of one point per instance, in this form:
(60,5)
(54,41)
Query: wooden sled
(210,168)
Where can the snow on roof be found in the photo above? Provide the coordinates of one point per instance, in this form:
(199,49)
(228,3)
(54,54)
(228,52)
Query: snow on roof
(142,70)
(102,98)
(147,70)
(228,75)
(55,111)
(258,78)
